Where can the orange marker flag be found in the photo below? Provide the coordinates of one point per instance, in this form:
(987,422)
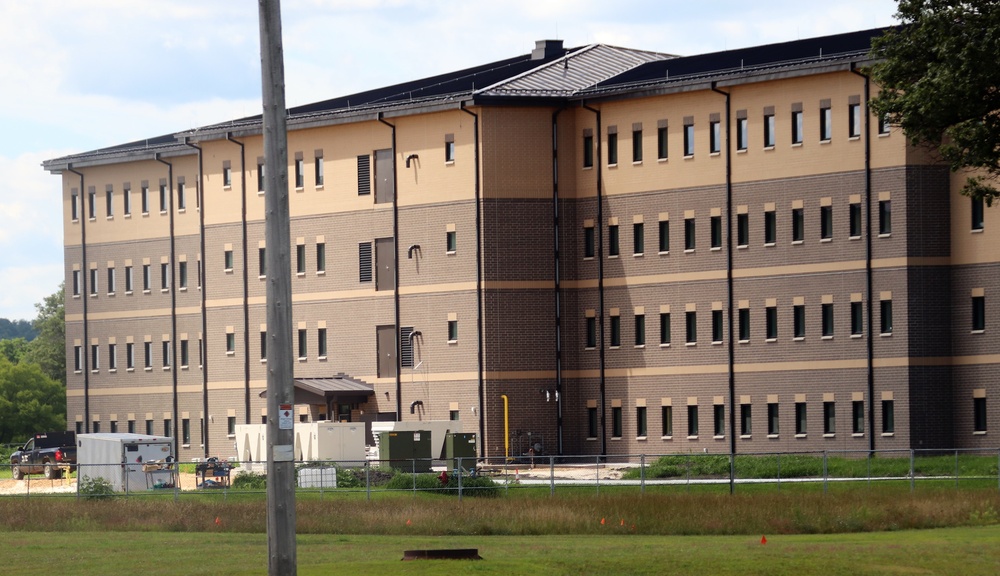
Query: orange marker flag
(623,522)
(763,539)
(602,521)
(218,522)
(407,521)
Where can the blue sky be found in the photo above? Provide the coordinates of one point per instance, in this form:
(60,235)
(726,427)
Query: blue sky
(83,74)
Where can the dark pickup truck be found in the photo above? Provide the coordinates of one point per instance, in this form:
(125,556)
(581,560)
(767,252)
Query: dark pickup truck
(46,454)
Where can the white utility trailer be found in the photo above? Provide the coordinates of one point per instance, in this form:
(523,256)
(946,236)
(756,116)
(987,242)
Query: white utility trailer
(129,462)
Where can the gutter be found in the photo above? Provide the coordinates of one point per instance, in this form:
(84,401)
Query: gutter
(246,281)
(557,291)
(395,265)
(173,298)
(600,281)
(84,296)
(204,290)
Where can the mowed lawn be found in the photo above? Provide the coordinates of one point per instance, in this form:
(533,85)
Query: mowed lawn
(966,551)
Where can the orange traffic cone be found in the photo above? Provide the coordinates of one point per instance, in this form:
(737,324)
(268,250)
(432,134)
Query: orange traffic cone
(602,521)
(763,539)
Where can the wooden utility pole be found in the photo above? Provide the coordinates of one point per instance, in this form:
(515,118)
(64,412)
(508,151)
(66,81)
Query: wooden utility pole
(280,386)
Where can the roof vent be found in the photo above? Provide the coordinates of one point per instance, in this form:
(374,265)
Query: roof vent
(547,49)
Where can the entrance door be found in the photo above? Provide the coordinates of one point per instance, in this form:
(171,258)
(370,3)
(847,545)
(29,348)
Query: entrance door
(386,336)
(385,260)
(385,177)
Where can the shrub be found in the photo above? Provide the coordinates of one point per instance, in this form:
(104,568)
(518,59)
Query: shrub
(95,487)
(480,486)
(249,481)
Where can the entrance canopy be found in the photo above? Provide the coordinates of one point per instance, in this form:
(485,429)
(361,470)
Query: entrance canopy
(337,389)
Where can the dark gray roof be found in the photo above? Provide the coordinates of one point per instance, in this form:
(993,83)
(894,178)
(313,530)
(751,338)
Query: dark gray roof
(335,385)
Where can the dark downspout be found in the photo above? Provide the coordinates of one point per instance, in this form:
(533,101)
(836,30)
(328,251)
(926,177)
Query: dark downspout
(395,264)
(479,285)
(557,276)
(246,282)
(729,291)
(600,279)
(173,299)
(204,289)
(870,289)
(84,351)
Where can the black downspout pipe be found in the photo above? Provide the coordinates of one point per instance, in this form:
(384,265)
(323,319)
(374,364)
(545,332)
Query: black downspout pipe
(729,290)
(84,351)
(204,289)
(479,284)
(173,300)
(557,276)
(600,280)
(395,264)
(869,274)
(246,281)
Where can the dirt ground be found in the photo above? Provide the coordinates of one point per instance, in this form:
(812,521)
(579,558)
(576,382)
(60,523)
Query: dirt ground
(39,485)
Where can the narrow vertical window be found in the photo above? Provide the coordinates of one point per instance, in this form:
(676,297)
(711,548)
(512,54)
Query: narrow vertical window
(185,353)
(826,123)
(667,421)
(144,199)
(318,168)
(321,342)
(182,275)
(689,139)
(95,358)
(165,346)
(664,328)
(884,217)
(321,257)
(719,420)
(227,258)
(613,244)
(300,258)
(691,326)
(772,419)
(797,126)
(74,206)
(746,419)
(857,319)
(798,225)
(979,415)
(147,277)
(109,197)
(261,179)
(227,175)
(799,321)
(164,198)
(588,151)
(591,422)
(826,222)
(93,281)
(742,230)
(263,345)
(638,238)
(716,326)
(689,234)
(616,422)
(640,421)
(800,418)
(147,349)
(128,280)
(612,145)
(591,330)
(771,322)
(640,329)
(977,214)
(742,137)
(76,282)
(112,357)
(261,262)
(770,228)
(130,355)
(661,142)
(769,130)
(827,319)
(884,125)
(181,196)
(230,343)
(829,418)
(854,120)
(885,307)
(127,201)
(978,313)
(888,417)
(637,145)
(855,220)
(449,148)
(692,421)
(588,242)
(858,417)
(450,241)
(715,225)
(664,240)
(615,331)
(164,276)
(452,330)
(303,344)
(77,358)
(714,136)
(744,322)
(92,204)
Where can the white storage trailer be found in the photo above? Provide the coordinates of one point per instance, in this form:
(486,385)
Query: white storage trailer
(129,462)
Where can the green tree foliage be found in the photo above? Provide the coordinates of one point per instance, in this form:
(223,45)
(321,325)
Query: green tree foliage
(13,349)
(48,349)
(16,329)
(941,83)
(30,402)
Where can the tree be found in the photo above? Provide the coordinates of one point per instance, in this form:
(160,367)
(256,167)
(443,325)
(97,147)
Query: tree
(30,402)
(940,82)
(48,349)
(13,349)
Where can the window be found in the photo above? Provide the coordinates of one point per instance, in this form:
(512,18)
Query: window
(261,262)
(321,257)
(167,427)
(128,280)
(260,175)
(714,136)
(147,279)
(719,419)
(185,354)
(613,247)
(449,150)
(92,204)
(638,238)
(692,421)
(799,321)
(164,198)
(800,418)
(453,415)
(591,422)
(772,419)
(182,274)
(746,420)
(616,331)
(769,131)
(452,330)
(689,234)
(149,427)
(227,258)
(231,425)
(588,242)
(591,324)
(95,357)
(263,345)
(147,348)
(661,143)
(130,355)
(131,427)
(230,343)
(716,231)
(640,329)
(227,176)
(716,326)
(796,127)
(827,313)
(664,240)
(742,138)
(825,123)
(744,322)
(854,120)
(185,431)
(978,313)
(201,352)
(321,342)
(127,202)
(885,308)
(829,418)
(977,213)
(300,258)
(74,206)
(616,422)
(76,282)
(303,348)
(885,217)
(144,199)
(857,319)
(883,125)
(691,326)
(640,421)
(858,417)
(979,414)
(300,172)
(164,276)
(181,196)
(855,220)
(166,353)
(667,420)
(77,358)
(450,241)
(637,145)
(742,230)
(798,225)
(318,169)
(770,228)
(664,328)
(588,151)
(826,222)
(888,417)
(771,322)
(612,147)
(109,202)
(689,140)
(93,281)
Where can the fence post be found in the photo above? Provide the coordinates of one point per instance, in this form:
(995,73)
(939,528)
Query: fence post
(871,454)
(956,468)
(413,471)
(552,475)
(732,473)
(597,473)
(368,481)
(642,473)
(825,475)
(687,473)
(459,472)
(779,471)
(912,479)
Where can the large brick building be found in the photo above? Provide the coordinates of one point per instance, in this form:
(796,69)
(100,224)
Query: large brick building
(638,253)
